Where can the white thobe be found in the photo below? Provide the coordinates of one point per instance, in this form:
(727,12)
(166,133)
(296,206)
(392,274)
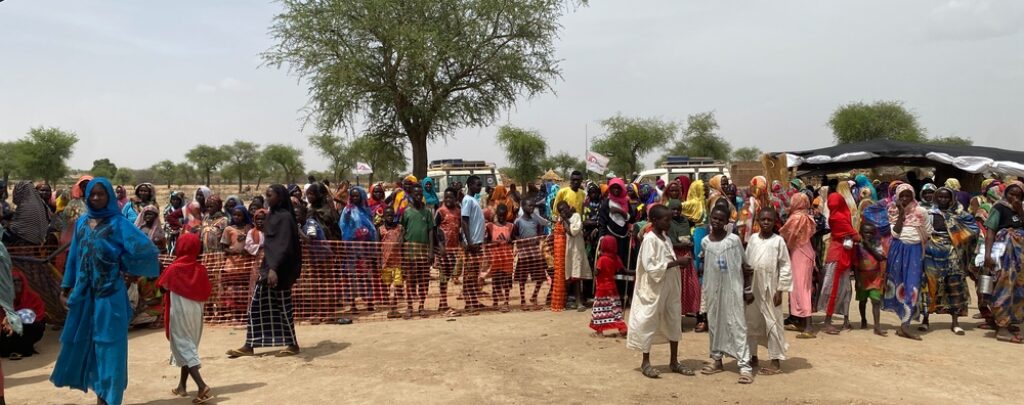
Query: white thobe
(657,304)
(770,260)
(723,297)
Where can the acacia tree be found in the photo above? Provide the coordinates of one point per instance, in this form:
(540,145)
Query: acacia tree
(242,160)
(166,171)
(627,140)
(287,158)
(858,122)
(746,154)
(564,164)
(525,150)
(44,152)
(701,139)
(184,172)
(951,141)
(206,159)
(417,69)
(334,149)
(386,155)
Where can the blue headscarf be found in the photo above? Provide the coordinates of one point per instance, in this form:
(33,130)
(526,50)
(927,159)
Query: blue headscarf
(864,183)
(355,217)
(552,193)
(430,196)
(112,207)
(245,213)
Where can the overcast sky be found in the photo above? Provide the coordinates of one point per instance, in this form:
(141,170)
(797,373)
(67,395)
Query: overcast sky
(141,82)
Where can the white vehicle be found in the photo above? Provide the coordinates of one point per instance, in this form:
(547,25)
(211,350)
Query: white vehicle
(448,171)
(701,168)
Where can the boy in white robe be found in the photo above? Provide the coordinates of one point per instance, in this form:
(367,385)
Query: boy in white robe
(657,295)
(768,255)
(725,295)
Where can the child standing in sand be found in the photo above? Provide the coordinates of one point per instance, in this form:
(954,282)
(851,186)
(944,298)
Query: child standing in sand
(768,256)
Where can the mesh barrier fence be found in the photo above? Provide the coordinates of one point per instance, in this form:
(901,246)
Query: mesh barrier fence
(365,281)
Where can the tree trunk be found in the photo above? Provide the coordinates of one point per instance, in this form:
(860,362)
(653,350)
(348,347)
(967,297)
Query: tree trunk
(418,140)
(239,184)
(208,178)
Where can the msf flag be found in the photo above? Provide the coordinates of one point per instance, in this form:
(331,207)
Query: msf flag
(596,162)
(363,168)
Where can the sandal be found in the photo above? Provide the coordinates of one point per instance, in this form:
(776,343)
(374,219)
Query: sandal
(286,353)
(203,396)
(711,369)
(899,332)
(681,369)
(769,371)
(746,378)
(236,353)
(182,393)
(650,372)
(959,331)
(451,313)
(806,335)
(1015,339)
(701,327)
(15,356)
(923,328)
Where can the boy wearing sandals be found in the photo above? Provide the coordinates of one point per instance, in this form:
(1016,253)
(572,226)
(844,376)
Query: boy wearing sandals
(768,256)
(726,292)
(656,301)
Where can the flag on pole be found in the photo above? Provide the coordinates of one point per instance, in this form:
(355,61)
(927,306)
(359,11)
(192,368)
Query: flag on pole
(597,162)
(363,168)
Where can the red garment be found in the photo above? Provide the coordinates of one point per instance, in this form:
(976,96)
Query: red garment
(607,314)
(28,298)
(185,276)
(839,218)
(684,185)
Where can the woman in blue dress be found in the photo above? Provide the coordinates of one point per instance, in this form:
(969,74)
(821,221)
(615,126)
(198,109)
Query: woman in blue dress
(105,250)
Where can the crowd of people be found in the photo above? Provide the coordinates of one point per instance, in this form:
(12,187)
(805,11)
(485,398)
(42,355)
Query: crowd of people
(713,251)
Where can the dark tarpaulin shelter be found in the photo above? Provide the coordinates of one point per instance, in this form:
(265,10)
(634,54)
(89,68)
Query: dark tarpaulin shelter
(875,153)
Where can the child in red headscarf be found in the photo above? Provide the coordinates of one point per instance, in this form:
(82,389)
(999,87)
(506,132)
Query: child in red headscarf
(607,314)
(188,286)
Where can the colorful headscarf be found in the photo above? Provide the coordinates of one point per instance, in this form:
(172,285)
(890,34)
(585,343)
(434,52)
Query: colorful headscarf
(840,219)
(800,226)
(28,298)
(693,208)
(844,190)
(914,218)
(140,221)
(623,198)
(864,183)
(357,219)
(960,225)
(953,184)
(430,196)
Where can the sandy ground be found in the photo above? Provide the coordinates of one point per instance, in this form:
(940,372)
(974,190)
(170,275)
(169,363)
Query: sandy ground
(544,357)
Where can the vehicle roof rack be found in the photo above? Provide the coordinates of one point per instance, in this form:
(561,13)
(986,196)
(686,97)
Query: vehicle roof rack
(457,164)
(678,161)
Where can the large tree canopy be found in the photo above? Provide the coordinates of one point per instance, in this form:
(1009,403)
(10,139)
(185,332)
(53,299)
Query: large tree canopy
(701,139)
(627,140)
(857,122)
(746,154)
(44,152)
(525,150)
(416,69)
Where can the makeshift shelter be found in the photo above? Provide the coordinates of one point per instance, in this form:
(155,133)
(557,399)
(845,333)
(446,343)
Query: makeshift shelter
(551,176)
(948,161)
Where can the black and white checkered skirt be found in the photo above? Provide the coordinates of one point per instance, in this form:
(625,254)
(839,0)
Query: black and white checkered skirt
(271,320)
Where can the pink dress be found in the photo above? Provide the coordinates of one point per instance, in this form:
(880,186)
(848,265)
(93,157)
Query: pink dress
(802,262)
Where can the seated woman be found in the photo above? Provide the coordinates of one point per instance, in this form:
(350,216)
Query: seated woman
(32,311)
